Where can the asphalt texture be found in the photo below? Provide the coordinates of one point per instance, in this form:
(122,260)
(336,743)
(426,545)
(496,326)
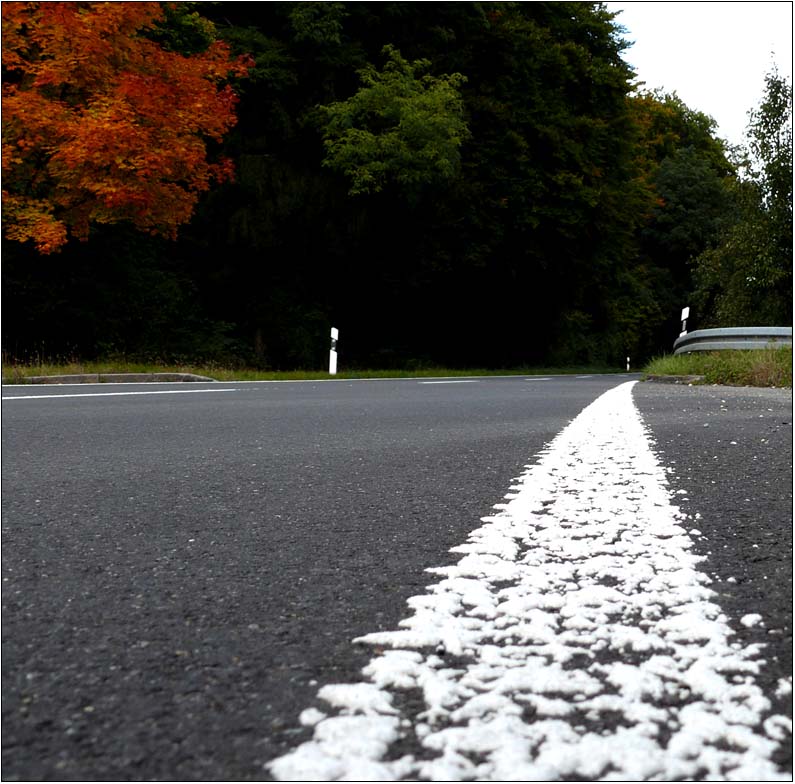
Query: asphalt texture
(730,454)
(182,572)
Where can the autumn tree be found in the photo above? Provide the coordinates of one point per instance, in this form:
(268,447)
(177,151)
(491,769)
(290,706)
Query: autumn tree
(106,120)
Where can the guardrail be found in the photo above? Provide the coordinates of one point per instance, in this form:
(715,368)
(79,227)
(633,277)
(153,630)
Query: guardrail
(742,338)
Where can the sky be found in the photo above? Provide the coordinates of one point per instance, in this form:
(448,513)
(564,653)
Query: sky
(714,55)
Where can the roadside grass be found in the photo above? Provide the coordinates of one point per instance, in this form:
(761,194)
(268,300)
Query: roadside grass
(19,373)
(758,368)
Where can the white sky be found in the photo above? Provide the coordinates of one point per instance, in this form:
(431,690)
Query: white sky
(713,55)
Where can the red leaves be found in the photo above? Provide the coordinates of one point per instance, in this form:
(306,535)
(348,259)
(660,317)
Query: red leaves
(101,124)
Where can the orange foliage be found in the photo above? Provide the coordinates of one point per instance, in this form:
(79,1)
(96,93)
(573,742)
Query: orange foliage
(101,124)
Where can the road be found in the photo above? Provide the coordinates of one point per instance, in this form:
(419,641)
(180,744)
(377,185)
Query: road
(729,453)
(184,571)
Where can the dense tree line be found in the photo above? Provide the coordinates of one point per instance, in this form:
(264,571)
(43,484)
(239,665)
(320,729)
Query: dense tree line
(457,183)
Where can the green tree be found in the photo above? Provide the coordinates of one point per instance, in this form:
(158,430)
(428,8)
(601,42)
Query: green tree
(402,125)
(539,219)
(681,180)
(746,278)
(514,186)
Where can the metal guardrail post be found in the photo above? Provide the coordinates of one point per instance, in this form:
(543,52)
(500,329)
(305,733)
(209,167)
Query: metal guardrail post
(733,338)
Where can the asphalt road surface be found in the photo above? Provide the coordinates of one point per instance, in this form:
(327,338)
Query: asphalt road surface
(184,567)
(729,451)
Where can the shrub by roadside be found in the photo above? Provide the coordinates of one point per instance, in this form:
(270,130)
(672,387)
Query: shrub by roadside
(758,368)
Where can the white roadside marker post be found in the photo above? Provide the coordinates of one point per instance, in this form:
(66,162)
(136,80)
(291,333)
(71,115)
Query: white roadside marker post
(332,355)
(685,316)
(627,364)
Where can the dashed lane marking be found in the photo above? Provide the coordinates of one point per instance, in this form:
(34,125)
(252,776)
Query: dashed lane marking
(116,394)
(453,381)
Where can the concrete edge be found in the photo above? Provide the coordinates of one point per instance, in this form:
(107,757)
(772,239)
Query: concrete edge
(674,379)
(115,378)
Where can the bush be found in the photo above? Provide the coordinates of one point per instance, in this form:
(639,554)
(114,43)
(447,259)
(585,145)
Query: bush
(759,368)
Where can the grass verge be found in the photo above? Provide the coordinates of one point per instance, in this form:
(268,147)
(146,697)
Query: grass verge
(19,373)
(758,368)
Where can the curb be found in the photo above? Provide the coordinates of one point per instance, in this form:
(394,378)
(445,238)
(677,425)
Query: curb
(675,379)
(114,378)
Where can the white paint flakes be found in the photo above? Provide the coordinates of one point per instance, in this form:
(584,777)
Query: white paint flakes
(784,687)
(779,727)
(752,619)
(310,717)
(576,637)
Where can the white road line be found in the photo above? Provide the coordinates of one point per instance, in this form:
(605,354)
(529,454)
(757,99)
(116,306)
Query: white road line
(453,381)
(116,394)
(576,638)
(538,378)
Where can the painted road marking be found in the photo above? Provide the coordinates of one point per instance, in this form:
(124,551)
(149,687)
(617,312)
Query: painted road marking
(575,639)
(453,381)
(117,394)
(538,378)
